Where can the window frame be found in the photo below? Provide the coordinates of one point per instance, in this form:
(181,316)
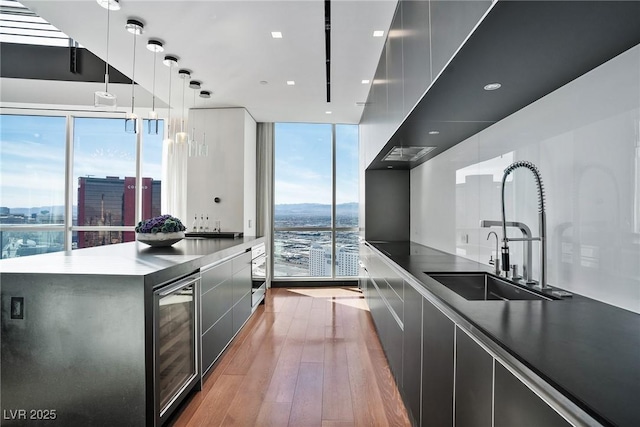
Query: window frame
(333,229)
(68,228)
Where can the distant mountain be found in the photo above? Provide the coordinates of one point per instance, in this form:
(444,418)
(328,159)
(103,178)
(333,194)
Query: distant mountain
(55,210)
(316,209)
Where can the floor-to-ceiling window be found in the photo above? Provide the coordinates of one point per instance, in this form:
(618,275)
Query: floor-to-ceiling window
(315,200)
(39,214)
(32,184)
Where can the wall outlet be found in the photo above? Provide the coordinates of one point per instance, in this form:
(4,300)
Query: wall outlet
(249,221)
(464,238)
(17,307)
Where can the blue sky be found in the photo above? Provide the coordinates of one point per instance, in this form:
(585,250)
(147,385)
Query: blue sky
(32,159)
(32,156)
(303,163)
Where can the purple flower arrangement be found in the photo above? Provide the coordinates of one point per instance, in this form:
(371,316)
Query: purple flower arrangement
(160,224)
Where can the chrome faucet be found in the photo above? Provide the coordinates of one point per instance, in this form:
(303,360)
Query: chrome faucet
(542,222)
(528,247)
(496,262)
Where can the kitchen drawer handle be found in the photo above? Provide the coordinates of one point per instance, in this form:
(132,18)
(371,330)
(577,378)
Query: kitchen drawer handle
(169,289)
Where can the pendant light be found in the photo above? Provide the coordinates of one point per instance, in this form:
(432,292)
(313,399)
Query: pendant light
(182,137)
(204,151)
(170,61)
(131,120)
(193,144)
(154,46)
(106,99)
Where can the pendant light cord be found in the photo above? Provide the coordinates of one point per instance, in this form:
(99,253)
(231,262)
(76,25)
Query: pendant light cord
(133,75)
(106,64)
(153,88)
(169,105)
(184,81)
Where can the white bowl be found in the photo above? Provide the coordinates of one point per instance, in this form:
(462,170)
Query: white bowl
(160,239)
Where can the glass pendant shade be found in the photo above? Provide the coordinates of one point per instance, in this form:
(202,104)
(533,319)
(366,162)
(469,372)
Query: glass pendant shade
(182,138)
(153,123)
(131,123)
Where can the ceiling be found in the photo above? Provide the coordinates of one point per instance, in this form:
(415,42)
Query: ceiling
(227,45)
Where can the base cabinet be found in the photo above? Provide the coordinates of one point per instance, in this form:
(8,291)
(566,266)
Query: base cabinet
(437,367)
(215,340)
(225,305)
(473,383)
(411,351)
(517,405)
(446,378)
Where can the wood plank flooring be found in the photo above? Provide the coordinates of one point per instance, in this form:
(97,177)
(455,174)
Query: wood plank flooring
(307,357)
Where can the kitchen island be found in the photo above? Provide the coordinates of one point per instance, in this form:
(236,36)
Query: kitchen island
(77,339)
(510,361)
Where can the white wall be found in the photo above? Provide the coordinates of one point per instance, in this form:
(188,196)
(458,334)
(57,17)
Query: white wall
(585,139)
(225,172)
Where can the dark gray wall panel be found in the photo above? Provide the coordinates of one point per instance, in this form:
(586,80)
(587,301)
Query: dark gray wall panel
(387,205)
(437,367)
(474,383)
(412,352)
(451,23)
(517,405)
(415,51)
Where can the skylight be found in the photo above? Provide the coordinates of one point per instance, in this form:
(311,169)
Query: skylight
(20,25)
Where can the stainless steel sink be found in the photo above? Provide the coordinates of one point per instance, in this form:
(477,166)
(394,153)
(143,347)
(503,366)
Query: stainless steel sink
(485,287)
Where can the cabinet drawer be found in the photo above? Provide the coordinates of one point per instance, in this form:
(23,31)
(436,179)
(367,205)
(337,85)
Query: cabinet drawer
(212,277)
(216,340)
(216,303)
(395,302)
(241,261)
(241,312)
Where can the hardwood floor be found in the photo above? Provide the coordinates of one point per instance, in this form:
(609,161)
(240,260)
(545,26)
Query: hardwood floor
(307,357)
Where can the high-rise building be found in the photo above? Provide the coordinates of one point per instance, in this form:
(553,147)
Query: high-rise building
(111,201)
(320,261)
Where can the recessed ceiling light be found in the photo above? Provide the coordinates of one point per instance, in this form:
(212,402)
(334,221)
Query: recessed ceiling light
(264,82)
(291,82)
(366,82)
(389,167)
(205,94)
(327,112)
(276,34)
(378,33)
(492,86)
(434,132)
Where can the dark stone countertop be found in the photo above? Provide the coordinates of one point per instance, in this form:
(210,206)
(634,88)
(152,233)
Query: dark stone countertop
(586,349)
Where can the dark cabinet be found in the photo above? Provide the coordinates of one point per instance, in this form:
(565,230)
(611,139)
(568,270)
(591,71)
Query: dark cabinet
(473,383)
(215,340)
(241,290)
(517,405)
(437,367)
(412,352)
(225,305)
